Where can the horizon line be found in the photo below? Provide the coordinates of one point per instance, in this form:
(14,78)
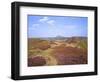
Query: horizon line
(57,36)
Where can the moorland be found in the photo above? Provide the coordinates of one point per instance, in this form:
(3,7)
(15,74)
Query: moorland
(50,51)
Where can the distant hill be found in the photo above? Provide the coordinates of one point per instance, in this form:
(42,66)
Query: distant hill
(76,39)
(54,38)
(63,38)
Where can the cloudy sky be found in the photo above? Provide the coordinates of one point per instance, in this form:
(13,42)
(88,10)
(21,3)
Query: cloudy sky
(52,26)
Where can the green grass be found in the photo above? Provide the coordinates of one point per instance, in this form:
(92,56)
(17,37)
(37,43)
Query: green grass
(82,44)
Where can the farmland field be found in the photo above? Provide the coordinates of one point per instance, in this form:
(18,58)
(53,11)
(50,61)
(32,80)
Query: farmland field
(59,50)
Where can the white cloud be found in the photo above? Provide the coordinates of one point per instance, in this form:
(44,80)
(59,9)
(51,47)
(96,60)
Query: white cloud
(35,25)
(44,19)
(70,27)
(51,22)
(47,20)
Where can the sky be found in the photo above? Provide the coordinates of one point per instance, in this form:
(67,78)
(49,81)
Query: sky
(52,26)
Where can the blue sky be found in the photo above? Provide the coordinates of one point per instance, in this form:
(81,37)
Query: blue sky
(52,26)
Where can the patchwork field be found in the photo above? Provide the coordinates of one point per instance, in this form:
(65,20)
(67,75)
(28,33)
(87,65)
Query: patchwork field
(57,51)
